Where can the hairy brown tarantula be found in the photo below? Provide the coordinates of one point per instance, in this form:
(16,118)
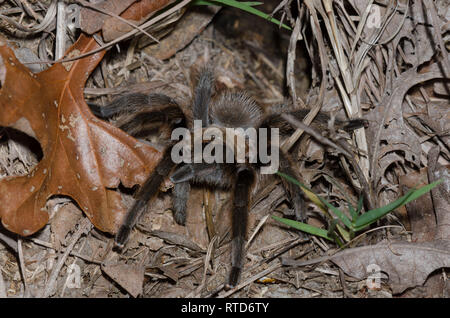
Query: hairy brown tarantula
(140,114)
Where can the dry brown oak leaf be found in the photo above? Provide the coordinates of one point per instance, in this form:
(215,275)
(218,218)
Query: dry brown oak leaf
(83,157)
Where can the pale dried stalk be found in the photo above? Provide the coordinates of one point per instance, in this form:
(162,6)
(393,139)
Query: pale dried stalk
(2,286)
(350,94)
(61,26)
(85,227)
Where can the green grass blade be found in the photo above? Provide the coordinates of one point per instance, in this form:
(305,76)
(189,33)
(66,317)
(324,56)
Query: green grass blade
(352,211)
(244,6)
(345,234)
(355,213)
(375,214)
(252,4)
(336,211)
(304,227)
(360,205)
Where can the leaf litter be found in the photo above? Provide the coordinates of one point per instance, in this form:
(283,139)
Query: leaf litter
(392,75)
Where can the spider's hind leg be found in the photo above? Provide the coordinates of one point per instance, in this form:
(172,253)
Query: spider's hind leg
(241,202)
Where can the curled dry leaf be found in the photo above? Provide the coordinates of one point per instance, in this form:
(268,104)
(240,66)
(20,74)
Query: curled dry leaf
(83,158)
(406,264)
(194,22)
(91,21)
(409,264)
(137,13)
(64,221)
(390,130)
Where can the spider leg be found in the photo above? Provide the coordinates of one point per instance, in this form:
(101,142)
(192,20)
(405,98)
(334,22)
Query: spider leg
(148,190)
(202,96)
(274,120)
(180,197)
(129,103)
(241,201)
(213,175)
(139,114)
(294,192)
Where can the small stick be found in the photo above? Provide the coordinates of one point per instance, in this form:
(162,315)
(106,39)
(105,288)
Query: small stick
(2,286)
(22,266)
(85,227)
(343,148)
(250,280)
(260,224)
(120,38)
(208,257)
(61,35)
(208,214)
(93,7)
(9,241)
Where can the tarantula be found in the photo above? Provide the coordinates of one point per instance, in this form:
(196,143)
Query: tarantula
(140,114)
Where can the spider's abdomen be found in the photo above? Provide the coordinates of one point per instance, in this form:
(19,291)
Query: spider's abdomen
(237,110)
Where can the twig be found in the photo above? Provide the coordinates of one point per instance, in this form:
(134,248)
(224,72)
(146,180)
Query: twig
(2,286)
(250,280)
(9,241)
(437,30)
(61,35)
(76,254)
(208,214)
(294,263)
(205,268)
(341,147)
(289,246)
(298,124)
(49,17)
(93,7)
(121,38)
(295,36)
(85,227)
(260,224)
(29,10)
(22,266)
(134,88)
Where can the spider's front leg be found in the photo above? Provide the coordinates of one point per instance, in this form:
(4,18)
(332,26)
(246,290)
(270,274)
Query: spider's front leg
(138,114)
(147,191)
(185,174)
(212,175)
(241,203)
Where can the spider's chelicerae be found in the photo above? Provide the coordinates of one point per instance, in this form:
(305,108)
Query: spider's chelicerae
(140,114)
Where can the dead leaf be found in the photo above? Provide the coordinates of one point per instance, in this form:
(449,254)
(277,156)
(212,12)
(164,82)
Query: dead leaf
(64,221)
(388,132)
(193,22)
(137,13)
(440,194)
(83,157)
(406,264)
(420,211)
(130,277)
(91,21)
(409,264)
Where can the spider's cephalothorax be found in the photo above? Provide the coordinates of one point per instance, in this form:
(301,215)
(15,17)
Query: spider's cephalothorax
(139,114)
